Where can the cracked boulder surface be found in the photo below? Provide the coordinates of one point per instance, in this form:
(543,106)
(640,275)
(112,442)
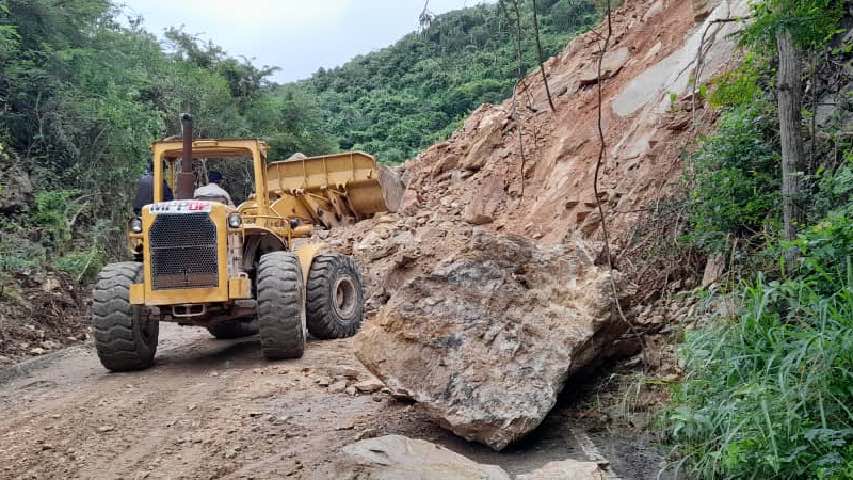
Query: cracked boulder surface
(485,340)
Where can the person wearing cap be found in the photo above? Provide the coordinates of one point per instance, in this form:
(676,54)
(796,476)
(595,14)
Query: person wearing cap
(212,192)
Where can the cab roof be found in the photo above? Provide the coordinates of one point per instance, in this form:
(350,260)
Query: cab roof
(222,148)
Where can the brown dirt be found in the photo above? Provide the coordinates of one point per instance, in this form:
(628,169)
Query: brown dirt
(39,312)
(215,409)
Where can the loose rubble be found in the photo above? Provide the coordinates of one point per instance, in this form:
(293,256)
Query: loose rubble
(484,339)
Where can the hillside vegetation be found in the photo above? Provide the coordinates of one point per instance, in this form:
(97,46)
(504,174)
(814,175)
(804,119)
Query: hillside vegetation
(403,98)
(83,95)
(769,385)
(81,98)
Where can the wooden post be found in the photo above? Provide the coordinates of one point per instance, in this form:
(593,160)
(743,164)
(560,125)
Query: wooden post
(790,91)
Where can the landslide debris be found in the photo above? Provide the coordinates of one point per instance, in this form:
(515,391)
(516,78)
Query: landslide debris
(485,339)
(395,457)
(483,328)
(40,312)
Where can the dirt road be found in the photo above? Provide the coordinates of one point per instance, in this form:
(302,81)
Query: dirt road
(215,409)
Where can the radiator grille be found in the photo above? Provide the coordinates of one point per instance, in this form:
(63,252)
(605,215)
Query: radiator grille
(183,252)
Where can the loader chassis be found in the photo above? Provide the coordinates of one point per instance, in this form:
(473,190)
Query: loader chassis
(239,271)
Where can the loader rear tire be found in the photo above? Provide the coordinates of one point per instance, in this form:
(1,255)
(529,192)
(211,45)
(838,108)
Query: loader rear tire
(281,306)
(125,338)
(233,329)
(335,298)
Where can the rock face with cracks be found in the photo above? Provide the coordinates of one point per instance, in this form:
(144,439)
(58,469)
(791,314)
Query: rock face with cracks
(485,341)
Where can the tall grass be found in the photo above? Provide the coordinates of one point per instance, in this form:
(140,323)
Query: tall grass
(769,395)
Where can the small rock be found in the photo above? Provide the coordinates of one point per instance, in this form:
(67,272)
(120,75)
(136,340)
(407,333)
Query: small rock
(395,456)
(567,469)
(346,372)
(322,381)
(105,429)
(345,426)
(37,351)
(351,391)
(337,387)
(369,386)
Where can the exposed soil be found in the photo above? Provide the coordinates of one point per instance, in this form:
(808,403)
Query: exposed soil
(40,312)
(215,409)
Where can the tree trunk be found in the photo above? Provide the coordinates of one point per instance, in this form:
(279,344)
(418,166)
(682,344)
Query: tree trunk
(790,91)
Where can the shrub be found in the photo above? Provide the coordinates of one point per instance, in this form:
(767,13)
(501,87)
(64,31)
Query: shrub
(53,210)
(83,266)
(770,394)
(736,179)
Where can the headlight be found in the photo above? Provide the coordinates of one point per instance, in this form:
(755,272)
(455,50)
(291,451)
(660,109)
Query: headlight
(235,220)
(136,225)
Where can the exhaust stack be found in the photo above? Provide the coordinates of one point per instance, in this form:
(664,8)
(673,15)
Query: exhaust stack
(186,178)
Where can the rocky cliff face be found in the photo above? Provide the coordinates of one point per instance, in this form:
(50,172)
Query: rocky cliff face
(484,284)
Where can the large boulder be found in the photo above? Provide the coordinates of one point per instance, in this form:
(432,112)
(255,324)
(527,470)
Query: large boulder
(485,339)
(395,457)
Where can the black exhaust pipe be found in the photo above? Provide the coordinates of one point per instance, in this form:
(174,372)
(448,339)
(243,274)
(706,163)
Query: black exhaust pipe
(186,179)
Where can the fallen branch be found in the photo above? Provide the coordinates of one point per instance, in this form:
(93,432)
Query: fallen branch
(541,56)
(601,152)
(521,82)
(699,63)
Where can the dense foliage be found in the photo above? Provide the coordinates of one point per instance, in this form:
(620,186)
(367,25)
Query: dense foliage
(398,100)
(81,98)
(736,185)
(83,94)
(768,390)
(768,393)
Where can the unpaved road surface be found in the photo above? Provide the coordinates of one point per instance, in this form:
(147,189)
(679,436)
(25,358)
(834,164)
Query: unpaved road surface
(216,409)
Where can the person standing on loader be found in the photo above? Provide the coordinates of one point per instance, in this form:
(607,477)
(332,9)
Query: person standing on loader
(212,192)
(145,190)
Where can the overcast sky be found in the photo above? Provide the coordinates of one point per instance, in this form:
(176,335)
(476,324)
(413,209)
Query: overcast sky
(298,36)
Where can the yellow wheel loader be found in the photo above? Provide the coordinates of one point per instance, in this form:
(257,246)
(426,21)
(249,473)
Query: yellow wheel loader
(239,270)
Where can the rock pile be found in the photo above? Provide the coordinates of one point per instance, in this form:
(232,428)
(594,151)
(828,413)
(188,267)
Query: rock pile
(482,327)
(39,312)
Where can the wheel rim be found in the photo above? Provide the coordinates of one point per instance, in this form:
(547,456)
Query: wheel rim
(345,297)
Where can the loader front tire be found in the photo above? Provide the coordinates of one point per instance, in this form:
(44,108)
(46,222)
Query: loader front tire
(281,306)
(125,338)
(335,298)
(233,329)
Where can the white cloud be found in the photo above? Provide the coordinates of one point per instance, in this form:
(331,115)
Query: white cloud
(298,36)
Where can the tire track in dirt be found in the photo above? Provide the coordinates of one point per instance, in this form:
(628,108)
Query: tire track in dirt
(215,409)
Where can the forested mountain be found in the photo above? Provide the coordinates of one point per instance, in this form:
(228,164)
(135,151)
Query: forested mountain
(82,96)
(395,101)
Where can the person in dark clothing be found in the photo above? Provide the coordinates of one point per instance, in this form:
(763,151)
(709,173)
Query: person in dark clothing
(145,190)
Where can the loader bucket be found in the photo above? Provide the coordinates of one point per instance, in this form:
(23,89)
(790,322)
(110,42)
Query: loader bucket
(349,184)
